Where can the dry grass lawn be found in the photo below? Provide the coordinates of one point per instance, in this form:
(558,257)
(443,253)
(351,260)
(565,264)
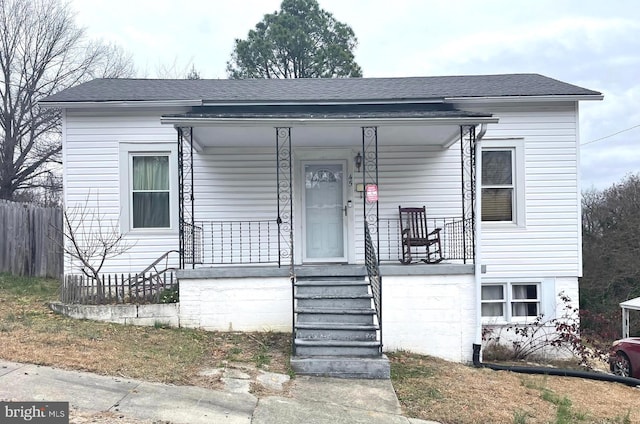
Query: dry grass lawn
(32,333)
(435,389)
(428,388)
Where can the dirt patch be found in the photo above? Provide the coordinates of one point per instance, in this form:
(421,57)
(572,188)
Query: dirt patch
(78,417)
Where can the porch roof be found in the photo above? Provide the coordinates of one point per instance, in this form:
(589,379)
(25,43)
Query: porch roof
(334,125)
(319,113)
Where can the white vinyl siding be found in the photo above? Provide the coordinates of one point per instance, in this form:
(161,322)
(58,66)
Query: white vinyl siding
(94,173)
(240,184)
(548,243)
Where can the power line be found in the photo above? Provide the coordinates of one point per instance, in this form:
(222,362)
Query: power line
(610,135)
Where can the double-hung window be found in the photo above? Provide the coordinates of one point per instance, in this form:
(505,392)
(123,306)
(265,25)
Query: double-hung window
(511,301)
(150,191)
(498,185)
(503,181)
(148,187)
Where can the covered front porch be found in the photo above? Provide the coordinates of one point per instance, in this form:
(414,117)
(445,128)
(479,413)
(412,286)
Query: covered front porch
(289,186)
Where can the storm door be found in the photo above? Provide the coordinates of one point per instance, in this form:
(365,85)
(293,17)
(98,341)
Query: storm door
(324,212)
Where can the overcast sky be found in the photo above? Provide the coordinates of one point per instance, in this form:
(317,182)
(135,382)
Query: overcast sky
(590,43)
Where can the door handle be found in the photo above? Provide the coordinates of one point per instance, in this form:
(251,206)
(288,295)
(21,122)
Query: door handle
(345,210)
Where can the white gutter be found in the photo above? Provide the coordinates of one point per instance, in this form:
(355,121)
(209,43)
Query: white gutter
(477,212)
(170,120)
(121,103)
(520,99)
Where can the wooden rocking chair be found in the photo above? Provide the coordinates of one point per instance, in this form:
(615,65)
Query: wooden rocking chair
(414,234)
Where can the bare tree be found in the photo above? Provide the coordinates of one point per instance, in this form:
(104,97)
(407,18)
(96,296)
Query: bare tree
(177,69)
(42,51)
(91,239)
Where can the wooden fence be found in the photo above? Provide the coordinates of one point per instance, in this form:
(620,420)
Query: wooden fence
(30,240)
(120,288)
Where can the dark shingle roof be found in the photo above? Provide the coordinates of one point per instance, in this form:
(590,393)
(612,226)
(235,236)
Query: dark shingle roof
(318,90)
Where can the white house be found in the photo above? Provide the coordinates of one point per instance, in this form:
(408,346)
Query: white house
(264,188)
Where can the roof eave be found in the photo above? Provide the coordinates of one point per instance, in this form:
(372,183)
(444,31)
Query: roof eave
(191,121)
(520,99)
(120,104)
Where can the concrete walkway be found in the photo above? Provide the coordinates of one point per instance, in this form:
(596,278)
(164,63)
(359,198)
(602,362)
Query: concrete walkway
(313,400)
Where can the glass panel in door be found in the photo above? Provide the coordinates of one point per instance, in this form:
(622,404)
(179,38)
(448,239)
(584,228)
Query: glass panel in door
(324,218)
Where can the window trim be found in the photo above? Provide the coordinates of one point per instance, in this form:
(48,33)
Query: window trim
(516,145)
(509,300)
(127,152)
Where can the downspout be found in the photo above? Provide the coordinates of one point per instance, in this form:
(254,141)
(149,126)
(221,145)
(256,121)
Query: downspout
(477,213)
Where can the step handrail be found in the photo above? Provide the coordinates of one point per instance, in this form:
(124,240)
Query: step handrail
(375,279)
(156,273)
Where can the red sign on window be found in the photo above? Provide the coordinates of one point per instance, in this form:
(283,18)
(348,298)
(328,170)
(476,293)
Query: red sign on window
(372,193)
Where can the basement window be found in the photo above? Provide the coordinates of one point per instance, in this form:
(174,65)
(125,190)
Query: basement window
(510,301)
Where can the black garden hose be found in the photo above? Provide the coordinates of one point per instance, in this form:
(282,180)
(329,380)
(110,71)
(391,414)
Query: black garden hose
(629,381)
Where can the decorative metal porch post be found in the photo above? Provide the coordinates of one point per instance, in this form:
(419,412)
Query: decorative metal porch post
(468,169)
(186,225)
(285,215)
(371,222)
(285,196)
(370,180)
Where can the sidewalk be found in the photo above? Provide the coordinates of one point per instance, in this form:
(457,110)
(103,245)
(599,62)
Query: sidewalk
(317,400)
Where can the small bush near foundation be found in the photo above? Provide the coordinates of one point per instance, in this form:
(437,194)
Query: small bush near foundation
(171,295)
(496,351)
(533,340)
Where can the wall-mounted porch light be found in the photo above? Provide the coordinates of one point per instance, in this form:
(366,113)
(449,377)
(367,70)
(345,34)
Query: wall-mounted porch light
(358,161)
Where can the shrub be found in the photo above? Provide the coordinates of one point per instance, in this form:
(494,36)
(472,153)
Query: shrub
(535,339)
(171,295)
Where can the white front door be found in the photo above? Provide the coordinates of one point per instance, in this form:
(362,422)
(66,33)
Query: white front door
(323,211)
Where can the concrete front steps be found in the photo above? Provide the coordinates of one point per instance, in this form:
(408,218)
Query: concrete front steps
(336,329)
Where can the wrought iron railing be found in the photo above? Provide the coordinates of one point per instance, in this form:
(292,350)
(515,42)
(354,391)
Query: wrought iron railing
(193,244)
(256,242)
(375,279)
(456,237)
(239,242)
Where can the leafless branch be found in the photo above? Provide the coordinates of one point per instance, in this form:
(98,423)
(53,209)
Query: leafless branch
(91,239)
(42,51)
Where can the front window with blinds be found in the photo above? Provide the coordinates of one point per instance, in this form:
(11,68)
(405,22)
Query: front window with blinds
(150,191)
(510,301)
(498,185)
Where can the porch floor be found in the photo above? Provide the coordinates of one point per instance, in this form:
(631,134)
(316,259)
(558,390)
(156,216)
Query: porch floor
(324,270)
